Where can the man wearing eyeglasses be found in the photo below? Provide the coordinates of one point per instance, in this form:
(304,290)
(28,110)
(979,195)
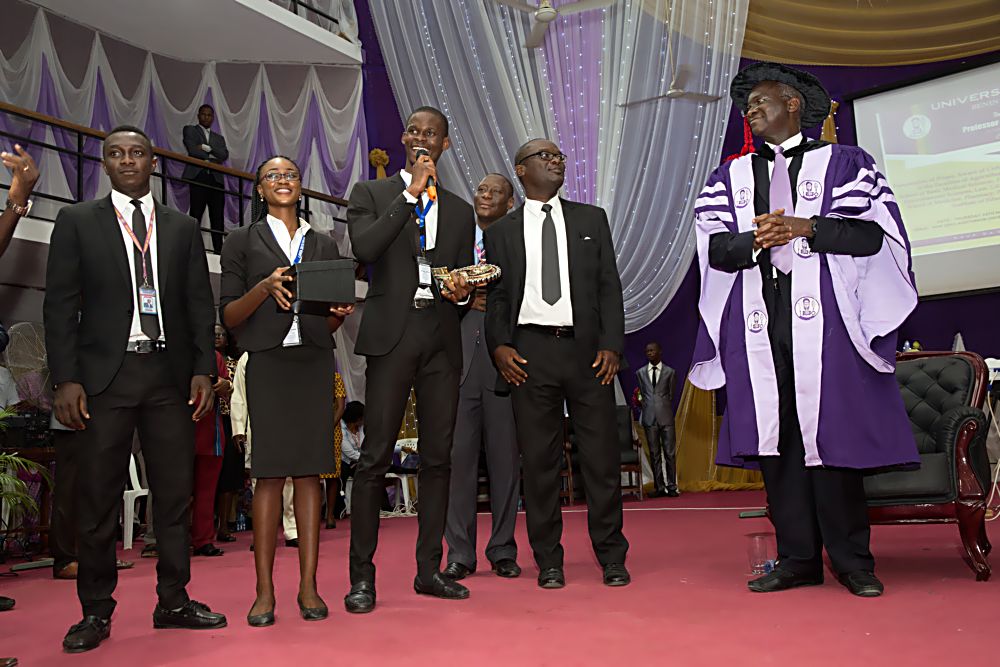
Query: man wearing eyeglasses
(555,323)
(410,337)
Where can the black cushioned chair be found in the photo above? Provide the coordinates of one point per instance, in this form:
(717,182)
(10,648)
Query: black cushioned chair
(631,459)
(943,393)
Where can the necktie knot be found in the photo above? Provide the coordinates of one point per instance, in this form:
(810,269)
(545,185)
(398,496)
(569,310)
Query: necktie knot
(546,208)
(136,204)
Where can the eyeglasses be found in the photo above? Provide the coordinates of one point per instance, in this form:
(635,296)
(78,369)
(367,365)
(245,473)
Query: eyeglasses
(275,176)
(558,158)
(761,101)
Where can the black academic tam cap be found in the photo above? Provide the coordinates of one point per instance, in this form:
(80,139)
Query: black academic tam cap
(817,100)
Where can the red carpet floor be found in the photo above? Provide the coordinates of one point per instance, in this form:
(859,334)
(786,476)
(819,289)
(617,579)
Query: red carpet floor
(687,605)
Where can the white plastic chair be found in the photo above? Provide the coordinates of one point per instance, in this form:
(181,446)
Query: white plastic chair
(130,496)
(408,506)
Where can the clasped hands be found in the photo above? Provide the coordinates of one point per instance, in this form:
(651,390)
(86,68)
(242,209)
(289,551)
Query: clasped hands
(777,229)
(508,362)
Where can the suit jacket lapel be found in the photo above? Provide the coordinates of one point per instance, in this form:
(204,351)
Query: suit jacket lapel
(311,246)
(572,242)
(163,229)
(108,219)
(518,257)
(264,232)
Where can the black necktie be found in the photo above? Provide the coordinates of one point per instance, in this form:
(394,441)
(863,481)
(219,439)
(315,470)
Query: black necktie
(150,324)
(551,288)
(654,376)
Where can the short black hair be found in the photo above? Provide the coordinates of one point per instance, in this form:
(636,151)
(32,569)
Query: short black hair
(433,111)
(206,106)
(129,128)
(510,186)
(353,411)
(522,152)
(653,342)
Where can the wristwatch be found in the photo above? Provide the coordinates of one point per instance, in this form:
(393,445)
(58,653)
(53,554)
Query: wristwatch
(812,227)
(18,208)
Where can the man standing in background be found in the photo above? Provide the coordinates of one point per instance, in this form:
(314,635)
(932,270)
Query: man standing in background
(656,389)
(202,143)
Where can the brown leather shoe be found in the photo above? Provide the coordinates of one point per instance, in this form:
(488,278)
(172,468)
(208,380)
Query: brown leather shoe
(67,572)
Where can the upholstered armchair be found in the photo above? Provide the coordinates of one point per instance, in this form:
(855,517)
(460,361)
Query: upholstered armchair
(944,394)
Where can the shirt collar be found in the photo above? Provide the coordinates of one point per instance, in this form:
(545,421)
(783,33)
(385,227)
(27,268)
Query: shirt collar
(276,224)
(123,203)
(790,142)
(535,206)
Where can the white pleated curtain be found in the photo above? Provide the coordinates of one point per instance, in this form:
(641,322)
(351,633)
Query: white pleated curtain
(647,162)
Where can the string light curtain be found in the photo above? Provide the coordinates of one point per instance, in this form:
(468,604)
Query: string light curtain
(644,163)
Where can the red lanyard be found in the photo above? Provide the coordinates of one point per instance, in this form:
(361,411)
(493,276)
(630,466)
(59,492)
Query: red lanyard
(144,248)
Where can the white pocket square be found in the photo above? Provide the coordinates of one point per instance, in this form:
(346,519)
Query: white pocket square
(586,238)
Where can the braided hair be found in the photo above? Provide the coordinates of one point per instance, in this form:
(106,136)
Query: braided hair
(258,205)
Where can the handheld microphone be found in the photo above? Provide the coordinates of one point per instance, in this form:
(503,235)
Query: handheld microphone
(432,191)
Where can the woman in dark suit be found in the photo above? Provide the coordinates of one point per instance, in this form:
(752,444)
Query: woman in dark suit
(289,375)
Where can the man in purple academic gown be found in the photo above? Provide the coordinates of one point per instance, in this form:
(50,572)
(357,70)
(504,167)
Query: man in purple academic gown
(805,270)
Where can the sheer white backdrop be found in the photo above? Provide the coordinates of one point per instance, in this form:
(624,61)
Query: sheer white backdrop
(645,164)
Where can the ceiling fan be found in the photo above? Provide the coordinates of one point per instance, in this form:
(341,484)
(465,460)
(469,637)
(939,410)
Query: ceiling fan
(676,90)
(545,14)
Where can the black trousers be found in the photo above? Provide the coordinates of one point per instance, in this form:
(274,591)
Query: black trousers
(557,375)
(62,536)
(143,396)
(418,361)
(812,507)
(663,452)
(215,200)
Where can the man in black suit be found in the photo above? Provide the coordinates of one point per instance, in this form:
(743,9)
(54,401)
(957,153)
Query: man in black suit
(656,387)
(410,336)
(485,422)
(555,322)
(200,142)
(128,332)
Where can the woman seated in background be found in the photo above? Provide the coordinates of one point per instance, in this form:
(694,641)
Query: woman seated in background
(289,374)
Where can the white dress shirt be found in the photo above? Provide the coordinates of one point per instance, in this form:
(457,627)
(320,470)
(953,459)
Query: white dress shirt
(123,203)
(350,444)
(289,244)
(534,309)
(790,142)
(430,227)
(659,372)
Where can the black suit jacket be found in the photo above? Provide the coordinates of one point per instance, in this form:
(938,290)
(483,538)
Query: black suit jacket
(594,284)
(89,296)
(385,236)
(251,254)
(194,137)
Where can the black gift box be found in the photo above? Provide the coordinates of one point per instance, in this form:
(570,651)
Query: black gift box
(317,285)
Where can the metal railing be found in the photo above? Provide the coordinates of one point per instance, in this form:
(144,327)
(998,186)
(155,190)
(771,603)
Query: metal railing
(308,8)
(75,148)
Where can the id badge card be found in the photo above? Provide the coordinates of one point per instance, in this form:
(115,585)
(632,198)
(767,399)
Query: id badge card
(294,336)
(423,272)
(147,300)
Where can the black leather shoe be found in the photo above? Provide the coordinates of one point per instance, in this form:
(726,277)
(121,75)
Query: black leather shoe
(87,634)
(615,574)
(192,616)
(261,620)
(507,568)
(208,550)
(225,537)
(782,580)
(293,543)
(8,662)
(6,603)
(656,493)
(861,583)
(551,577)
(673,494)
(313,613)
(457,571)
(440,587)
(361,599)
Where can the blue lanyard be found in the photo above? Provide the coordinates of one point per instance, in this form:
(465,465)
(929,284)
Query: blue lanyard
(298,255)
(422,221)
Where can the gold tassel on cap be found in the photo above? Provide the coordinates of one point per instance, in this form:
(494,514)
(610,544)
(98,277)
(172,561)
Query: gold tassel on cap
(829,133)
(379,159)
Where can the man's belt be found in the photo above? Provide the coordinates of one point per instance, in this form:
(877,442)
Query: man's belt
(558,332)
(420,304)
(146,346)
